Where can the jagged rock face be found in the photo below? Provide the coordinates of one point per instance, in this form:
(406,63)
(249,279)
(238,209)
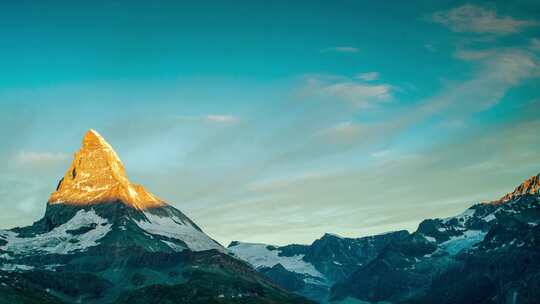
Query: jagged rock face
(337,257)
(530,186)
(97,175)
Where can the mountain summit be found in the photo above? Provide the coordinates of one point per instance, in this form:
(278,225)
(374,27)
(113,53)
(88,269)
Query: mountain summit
(529,187)
(97,175)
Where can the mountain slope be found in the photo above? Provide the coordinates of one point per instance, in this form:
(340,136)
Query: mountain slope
(102,239)
(490,253)
(310,270)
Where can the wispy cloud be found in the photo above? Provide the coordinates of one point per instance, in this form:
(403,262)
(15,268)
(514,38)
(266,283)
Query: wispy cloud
(341,49)
(39,158)
(502,70)
(222,119)
(370,76)
(339,88)
(344,132)
(210,118)
(475,19)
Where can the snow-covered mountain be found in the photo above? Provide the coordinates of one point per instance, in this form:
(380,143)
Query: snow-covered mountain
(286,266)
(486,254)
(311,270)
(103,240)
(95,203)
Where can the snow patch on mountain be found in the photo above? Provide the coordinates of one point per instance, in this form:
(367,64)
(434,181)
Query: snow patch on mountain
(490,217)
(175,228)
(60,240)
(15,267)
(430,239)
(258,255)
(465,241)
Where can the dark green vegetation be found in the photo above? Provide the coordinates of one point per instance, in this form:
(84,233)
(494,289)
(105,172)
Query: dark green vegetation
(211,288)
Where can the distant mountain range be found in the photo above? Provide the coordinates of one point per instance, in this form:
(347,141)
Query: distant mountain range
(488,254)
(105,240)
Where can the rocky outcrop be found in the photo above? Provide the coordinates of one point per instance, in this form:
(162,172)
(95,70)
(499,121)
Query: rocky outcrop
(531,187)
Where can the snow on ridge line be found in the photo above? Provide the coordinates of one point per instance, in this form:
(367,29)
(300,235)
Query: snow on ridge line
(465,215)
(175,228)
(260,256)
(58,240)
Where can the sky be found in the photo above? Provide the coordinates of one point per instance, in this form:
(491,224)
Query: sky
(274,121)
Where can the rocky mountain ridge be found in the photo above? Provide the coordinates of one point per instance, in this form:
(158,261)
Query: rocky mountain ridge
(423,266)
(531,187)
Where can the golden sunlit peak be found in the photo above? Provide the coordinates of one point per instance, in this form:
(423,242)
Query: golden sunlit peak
(531,186)
(93,137)
(96,175)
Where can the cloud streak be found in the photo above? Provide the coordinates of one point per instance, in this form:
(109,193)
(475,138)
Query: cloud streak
(368,76)
(39,158)
(222,119)
(339,88)
(341,49)
(470,18)
(218,119)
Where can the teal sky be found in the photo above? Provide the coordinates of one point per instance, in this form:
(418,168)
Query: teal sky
(276,122)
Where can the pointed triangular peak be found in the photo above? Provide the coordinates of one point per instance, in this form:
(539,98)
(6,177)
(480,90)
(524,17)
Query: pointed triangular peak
(97,175)
(531,186)
(93,140)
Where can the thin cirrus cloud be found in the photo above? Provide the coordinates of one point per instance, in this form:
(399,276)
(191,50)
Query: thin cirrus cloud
(210,118)
(357,92)
(39,158)
(370,76)
(345,131)
(223,119)
(470,18)
(496,75)
(340,49)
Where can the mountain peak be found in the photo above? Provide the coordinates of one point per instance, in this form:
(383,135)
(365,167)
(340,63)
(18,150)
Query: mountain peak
(97,175)
(530,186)
(93,139)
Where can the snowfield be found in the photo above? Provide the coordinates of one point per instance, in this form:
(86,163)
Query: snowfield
(258,255)
(174,228)
(59,240)
(465,241)
(15,267)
